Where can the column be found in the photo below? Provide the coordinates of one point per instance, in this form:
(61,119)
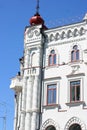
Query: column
(35,107)
(26,60)
(19,108)
(24,90)
(28,104)
(22,120)
(39,57)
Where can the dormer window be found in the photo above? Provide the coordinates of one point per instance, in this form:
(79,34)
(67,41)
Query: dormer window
(52,58)
(75,54)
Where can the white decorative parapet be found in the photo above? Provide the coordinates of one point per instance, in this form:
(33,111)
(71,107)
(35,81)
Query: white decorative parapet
(16,83)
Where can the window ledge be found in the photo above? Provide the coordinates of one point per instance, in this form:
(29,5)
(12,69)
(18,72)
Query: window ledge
(75,103)
(75,62)
(50,106)
(52,66)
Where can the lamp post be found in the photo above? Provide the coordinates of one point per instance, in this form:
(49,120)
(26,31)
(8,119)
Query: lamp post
(4,117)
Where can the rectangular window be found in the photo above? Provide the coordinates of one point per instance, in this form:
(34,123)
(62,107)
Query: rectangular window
(75,91)
(51,94)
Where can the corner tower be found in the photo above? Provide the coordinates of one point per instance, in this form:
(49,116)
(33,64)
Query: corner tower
(27,84)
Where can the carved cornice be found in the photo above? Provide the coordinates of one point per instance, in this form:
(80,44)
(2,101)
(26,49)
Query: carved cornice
(66,42)
(65,34)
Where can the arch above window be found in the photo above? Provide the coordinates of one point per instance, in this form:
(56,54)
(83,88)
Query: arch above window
(75,120)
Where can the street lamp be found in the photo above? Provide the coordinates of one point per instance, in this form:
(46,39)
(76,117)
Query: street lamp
(4,117)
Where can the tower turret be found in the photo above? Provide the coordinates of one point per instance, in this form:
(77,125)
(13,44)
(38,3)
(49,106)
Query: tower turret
(37,19)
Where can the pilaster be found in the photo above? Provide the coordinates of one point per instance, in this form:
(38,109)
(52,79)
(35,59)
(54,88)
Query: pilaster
(35,107)
(22,119)
(28,104)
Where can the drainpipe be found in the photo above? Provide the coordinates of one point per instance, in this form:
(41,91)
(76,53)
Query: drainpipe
(40,113)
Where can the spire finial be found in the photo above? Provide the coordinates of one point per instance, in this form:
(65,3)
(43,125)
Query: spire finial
(37,7)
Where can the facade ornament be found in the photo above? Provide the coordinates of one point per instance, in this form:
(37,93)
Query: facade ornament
(50,122)
(75,120)
(33,31)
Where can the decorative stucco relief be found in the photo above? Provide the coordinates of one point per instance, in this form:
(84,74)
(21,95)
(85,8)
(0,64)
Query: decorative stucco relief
(75,120)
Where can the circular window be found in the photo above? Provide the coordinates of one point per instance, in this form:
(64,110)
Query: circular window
(50,128)
(75,127)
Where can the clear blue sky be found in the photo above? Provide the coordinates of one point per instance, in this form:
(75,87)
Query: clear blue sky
(14,16)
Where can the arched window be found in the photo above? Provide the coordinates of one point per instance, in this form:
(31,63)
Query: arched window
(75,127)
(75,54)
(52,58)
(50,128)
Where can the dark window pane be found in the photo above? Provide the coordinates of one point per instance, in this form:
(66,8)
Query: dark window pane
(75,127)
(72,55)
(77,55)
(50,128)
(50,59)
(54,96)
(73,93)
(77,93)
(54,59)
(49,96)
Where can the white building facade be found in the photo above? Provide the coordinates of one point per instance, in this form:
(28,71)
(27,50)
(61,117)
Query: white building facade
(51,88)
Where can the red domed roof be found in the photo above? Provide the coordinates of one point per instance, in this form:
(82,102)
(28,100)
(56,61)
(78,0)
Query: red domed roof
(36,19)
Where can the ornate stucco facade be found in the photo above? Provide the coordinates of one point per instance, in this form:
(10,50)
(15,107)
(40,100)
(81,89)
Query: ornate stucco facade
(51,88)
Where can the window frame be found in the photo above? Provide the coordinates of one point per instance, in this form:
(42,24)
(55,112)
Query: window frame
(76,77)
(51,91)
(75,91)
(49,81)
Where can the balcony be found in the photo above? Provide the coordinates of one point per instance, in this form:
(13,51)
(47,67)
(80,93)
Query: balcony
(16,83)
